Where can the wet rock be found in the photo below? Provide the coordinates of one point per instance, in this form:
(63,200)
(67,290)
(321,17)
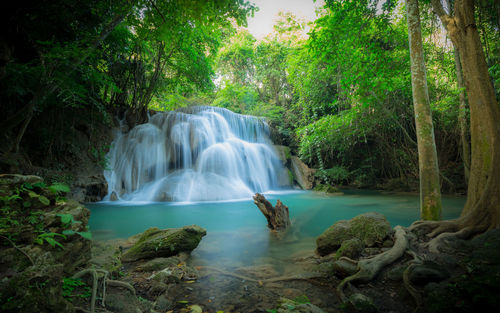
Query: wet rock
(113,196)
(360,303)
(302,173)
(158,288)
(343,268)
(16,179)
(283,154)
(158,264)
(156,242)
(162,304)
(370,228)
(123,302)
(290,306)
(426,273)
(351,248)
(168,275)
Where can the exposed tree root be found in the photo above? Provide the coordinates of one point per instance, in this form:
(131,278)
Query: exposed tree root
(302,276)
(369,268)
(464,227)
(406,280)
(92,272)
(18,249)
(118,283)
(95,279)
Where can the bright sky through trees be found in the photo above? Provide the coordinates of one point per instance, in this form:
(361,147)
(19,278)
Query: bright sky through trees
(262,23)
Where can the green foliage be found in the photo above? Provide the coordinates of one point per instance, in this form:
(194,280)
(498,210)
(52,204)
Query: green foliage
(50,239)
(75,287)
(237,98)
(338,175)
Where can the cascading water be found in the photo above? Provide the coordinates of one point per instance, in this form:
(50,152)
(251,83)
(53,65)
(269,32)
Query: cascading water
(193,154)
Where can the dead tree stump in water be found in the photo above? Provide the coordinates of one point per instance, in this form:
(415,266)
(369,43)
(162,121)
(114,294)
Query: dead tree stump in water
(278,219)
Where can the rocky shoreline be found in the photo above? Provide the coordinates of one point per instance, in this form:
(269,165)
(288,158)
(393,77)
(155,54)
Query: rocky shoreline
(49,264)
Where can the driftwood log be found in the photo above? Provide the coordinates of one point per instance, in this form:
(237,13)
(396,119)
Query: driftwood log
(278,219)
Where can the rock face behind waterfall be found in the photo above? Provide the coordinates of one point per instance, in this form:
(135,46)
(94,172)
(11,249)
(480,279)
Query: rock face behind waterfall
(193,154)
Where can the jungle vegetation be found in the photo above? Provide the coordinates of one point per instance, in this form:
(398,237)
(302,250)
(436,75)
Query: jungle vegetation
(338,90)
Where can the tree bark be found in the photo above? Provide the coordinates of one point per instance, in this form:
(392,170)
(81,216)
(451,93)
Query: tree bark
(482,208)
(430,194)
(462,117)
(462,107)
(278,218)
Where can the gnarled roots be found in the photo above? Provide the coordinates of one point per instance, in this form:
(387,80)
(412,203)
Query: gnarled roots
(369,268)
(440,231)
(105,282)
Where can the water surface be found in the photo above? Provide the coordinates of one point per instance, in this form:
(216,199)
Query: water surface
(236,230)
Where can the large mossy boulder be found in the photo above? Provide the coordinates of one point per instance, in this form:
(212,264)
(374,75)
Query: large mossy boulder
(370,228)
(155,242)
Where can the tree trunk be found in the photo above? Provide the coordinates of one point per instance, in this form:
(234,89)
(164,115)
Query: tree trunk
(462,117)
(482,209)
(462,107)
(278,218)
(430,194)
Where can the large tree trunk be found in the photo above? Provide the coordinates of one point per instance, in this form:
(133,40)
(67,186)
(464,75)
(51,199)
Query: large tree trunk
(462,117)
(430,195)
(462,108)
(482,209)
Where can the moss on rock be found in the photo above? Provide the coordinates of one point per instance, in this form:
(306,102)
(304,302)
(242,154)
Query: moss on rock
(369,228)
(155,242)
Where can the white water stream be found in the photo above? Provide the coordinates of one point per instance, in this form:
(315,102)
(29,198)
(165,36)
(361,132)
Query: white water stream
(193,154)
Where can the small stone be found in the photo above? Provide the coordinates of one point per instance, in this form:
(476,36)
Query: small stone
(343,268)
(162,304)
(158,264)
(362,304)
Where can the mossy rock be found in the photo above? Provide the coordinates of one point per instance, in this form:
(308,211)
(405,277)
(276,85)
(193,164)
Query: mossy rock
(326,188)
(350,248)
(154,243)
(370,228)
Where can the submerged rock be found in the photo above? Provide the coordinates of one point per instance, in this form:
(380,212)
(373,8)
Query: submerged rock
(370,228)
(156,242)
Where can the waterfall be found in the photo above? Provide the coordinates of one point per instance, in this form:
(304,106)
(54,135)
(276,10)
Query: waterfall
(193,154)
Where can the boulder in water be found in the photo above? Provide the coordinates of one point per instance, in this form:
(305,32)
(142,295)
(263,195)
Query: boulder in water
(156,242)
(369,227)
